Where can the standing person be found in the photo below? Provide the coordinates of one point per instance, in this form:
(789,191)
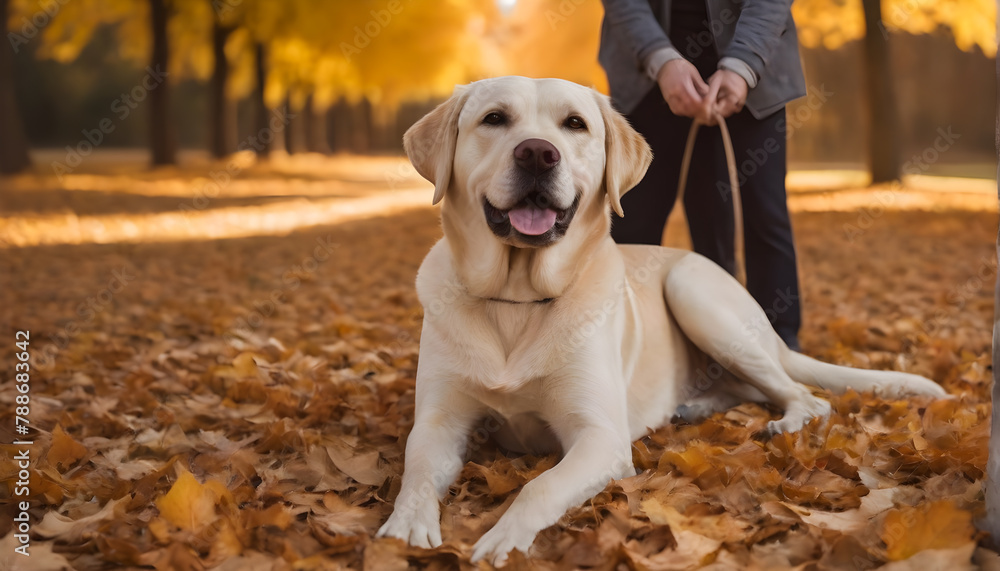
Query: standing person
(669,61)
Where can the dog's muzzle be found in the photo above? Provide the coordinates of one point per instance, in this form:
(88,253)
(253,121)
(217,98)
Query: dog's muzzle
(534,221)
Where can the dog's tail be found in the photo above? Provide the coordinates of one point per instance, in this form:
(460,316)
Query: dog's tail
(889,384)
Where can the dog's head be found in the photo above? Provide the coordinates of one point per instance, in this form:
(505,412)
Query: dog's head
(528,158)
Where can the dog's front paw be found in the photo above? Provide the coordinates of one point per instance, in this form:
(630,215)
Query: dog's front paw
(501,540)
(418,527)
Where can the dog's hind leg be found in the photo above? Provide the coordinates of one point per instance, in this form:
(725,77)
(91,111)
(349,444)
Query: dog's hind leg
(721,318)
(714,389)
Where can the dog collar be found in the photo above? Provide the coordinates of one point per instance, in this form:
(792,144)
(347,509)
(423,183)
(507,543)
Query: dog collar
(546,300)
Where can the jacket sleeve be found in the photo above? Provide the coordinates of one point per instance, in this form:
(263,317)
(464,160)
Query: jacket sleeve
(635,25)
(758,31)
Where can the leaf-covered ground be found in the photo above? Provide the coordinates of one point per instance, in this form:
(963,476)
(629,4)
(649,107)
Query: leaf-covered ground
(243,403)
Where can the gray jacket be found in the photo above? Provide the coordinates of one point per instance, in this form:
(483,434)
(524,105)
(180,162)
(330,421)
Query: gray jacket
(759,33)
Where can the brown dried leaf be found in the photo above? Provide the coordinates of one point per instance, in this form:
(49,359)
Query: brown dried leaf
(40,558)
(364,467)
(385,555)
(953,559)
(696,518)
(55,526)
(64,451)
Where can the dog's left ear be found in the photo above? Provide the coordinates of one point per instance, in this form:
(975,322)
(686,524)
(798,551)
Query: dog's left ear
(627,155)
(430,142)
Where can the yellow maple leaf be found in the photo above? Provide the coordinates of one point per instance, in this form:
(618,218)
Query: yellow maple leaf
(190,504)
(938,525)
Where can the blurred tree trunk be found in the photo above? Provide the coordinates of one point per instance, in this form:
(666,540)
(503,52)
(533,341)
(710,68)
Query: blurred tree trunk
(339,128)
(991,523)
(13,144)
(363,129)
(222,111)
(163,137)
(315,126)
(294,137)
(267,137)
(883,143)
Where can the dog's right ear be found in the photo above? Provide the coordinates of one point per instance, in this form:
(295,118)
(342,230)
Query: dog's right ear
(430,142)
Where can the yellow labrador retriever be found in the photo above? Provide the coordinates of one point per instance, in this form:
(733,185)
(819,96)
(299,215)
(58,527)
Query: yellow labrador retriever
(534,315)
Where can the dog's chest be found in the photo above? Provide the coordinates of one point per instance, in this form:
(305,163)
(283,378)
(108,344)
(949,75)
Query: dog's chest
(524,402)
(501,372)
(513,323)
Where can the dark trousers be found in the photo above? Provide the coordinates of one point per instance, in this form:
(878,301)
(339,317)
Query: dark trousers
(760,150)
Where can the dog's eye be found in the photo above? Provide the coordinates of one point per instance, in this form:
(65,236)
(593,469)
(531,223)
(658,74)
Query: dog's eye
(494,118)
(575,123)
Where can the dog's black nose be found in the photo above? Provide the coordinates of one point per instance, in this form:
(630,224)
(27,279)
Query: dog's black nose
(536,155)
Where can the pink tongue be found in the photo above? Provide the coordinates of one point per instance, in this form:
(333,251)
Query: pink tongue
(532,221)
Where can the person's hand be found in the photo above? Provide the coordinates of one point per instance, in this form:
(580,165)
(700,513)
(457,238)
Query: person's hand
(727,92)
(682,86)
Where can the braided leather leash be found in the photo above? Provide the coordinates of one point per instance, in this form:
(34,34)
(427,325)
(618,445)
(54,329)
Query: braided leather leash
(727,142)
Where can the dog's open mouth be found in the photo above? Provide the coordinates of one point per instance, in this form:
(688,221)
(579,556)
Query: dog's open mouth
(534,220)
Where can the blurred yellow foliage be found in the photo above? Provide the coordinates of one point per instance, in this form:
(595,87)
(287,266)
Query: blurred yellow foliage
(832,23)
(554,38)
(389,51)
